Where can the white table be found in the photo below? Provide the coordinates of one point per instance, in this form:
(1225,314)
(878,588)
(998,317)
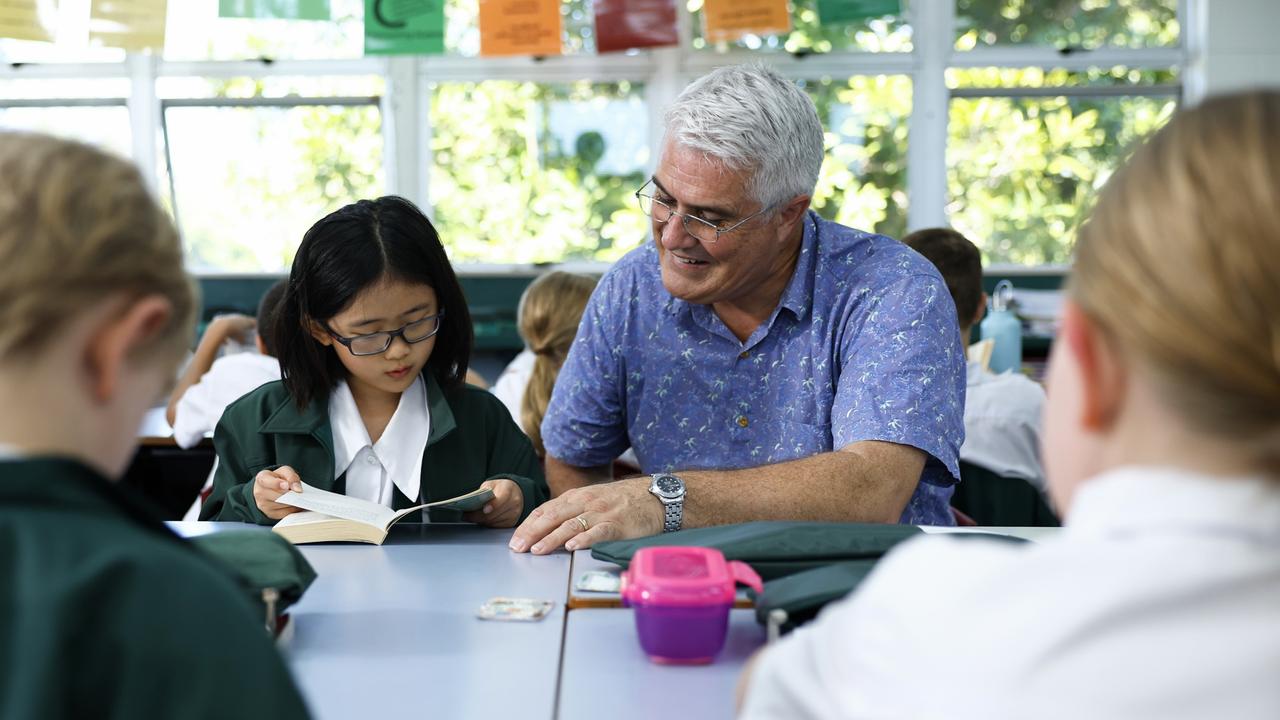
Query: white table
(390,631)
(606,675)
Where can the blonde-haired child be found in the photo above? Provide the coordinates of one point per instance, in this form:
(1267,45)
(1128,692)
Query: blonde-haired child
(550,310)
(103,611)
(1161,598)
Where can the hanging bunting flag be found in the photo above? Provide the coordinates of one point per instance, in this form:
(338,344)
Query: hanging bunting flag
(627,24)
(21,20)
(278,9)
(129,24)
(520,27)
(729,20)
(843,12)
(403,27)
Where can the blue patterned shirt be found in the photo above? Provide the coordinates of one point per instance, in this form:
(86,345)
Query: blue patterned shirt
(864,345)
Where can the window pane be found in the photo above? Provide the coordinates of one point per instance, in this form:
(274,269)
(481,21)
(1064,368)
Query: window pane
(1067,23)
(106,127)
(195,32)
(244,201)
(891,33)
(1023,171)
(863,178)
(528,172)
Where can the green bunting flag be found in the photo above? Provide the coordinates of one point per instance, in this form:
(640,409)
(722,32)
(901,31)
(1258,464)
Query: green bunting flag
(838,12)
(282,9)
(403,27)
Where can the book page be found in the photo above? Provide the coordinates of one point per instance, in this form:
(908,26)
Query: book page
(306,517)
(347,508)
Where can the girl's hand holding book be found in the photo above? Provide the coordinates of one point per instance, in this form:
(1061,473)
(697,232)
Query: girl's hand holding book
(504,509)
(271,484)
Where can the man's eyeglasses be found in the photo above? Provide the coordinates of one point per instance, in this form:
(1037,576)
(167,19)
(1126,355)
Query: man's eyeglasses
(376,343)
(703,230)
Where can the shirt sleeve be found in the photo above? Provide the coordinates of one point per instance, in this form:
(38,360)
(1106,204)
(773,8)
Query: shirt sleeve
(585,424)
(232,494)
(194,416)
(903,374)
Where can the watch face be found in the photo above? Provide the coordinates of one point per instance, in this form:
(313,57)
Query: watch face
(669,486)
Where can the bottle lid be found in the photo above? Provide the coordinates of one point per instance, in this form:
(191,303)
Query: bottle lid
(1002,297)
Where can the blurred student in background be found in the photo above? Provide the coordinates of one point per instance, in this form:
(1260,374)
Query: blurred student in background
(211,383)
(548,317)
(1001,411)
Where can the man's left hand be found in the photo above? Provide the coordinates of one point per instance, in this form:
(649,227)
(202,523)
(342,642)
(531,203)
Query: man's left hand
(584,516)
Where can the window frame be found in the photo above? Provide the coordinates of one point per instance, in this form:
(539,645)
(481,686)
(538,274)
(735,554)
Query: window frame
(405,105)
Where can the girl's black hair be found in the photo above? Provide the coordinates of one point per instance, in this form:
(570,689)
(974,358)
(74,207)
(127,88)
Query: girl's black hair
(346,252)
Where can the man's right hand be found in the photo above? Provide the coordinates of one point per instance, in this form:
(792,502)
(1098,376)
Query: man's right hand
(269,485)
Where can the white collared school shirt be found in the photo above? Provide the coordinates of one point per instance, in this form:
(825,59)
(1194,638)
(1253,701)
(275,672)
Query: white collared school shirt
(1160,599)
(229,378)
(1002,424)
(512,382)
(374,470)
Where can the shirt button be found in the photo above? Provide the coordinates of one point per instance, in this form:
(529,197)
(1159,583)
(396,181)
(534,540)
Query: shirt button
(742,421)
(744,355)
(372,459)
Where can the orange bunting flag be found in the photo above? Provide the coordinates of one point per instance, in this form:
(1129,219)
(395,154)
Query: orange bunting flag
(729,20)
(520,27)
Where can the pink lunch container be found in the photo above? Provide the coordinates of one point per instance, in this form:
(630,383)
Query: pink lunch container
(682,597)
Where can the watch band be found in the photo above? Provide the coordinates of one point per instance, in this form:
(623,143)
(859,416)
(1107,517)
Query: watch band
(672,515)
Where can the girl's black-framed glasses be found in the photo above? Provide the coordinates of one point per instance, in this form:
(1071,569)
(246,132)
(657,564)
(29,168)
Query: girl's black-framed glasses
(375,343)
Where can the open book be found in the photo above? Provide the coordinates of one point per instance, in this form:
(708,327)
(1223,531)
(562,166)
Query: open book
(331,517)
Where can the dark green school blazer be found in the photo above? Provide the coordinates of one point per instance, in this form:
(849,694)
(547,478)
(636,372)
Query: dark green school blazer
(105,613)
(472,439)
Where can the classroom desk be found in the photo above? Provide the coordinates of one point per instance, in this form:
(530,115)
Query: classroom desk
(390,631)
(583,562)
(605,674)
(155,430)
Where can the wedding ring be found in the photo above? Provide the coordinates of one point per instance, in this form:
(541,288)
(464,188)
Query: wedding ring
(583,522)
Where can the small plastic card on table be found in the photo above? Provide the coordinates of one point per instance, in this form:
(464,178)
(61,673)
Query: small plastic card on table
(514,609)
(599,581)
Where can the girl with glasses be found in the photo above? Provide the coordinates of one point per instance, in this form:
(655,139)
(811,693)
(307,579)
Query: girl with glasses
(374,338)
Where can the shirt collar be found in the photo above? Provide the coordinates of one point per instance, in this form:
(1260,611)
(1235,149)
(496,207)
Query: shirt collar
(349,433)
(400,449)
(403,441)
(1166,500)
(798,295)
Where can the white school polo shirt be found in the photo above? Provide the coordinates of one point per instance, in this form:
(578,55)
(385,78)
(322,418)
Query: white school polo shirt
(395,461)
(1159,599)
(229,378)
(512,382)
(1002,424)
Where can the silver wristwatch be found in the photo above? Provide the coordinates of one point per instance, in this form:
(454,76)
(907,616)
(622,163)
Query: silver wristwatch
(670,490)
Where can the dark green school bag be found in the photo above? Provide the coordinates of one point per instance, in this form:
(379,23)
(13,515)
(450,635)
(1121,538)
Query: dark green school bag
(794,600)
(269,568)
(774,549)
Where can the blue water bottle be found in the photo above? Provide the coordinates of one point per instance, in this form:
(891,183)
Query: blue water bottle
(1004,329)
